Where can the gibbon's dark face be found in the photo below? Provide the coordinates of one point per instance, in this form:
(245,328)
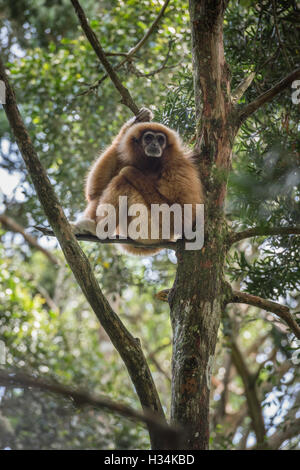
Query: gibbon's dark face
(154,143)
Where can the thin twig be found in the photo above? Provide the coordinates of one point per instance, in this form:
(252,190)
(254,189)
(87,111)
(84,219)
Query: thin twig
(129,55)
(263,231)
(281,44)
(150,30)
(11,224)
(132,68)
(93,40)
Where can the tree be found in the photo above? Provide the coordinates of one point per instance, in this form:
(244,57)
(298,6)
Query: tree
(201,291)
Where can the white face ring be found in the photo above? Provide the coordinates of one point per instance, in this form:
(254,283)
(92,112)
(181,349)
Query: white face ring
(154,143)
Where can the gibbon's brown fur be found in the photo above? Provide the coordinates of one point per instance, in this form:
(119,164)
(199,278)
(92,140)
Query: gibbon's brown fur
(125,170)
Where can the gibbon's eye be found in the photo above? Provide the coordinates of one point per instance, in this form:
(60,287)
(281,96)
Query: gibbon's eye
(161,138)
(148,137)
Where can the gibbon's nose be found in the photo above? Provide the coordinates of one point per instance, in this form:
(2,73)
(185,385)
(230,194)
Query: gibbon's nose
(153,150)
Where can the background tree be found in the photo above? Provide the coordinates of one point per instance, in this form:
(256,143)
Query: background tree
(61,88)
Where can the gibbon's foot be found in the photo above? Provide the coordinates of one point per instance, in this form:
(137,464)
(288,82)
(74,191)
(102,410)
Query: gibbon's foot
(84,225)
(144,115)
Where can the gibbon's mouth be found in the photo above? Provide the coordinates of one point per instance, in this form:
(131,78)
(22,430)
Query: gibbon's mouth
(153,151)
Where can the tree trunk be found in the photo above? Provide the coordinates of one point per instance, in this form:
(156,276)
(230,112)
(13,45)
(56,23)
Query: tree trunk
(198,297)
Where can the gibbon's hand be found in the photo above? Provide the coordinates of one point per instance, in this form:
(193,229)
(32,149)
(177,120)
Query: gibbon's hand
(144,115)
(131,171)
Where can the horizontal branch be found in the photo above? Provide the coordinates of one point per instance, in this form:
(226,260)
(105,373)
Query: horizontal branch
(253,403)
(83,398)
(12,225)
(242,297)
(280,310)
(93,40)
(263,231)
(116,240)
(264,98)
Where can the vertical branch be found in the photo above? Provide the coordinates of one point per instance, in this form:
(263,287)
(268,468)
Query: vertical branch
(253,402)
(208,57)
(214,128)
(281,44)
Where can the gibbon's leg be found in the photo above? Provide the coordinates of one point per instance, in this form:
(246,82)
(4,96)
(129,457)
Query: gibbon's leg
(101,173)
(147,188)
(120,186)
(107,165)
(91,208)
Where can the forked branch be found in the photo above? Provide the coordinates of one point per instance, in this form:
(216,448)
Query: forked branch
(12,225)
(234,296)
(128,56)
(93,40)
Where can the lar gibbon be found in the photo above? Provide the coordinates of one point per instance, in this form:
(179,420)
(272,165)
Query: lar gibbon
(148,163)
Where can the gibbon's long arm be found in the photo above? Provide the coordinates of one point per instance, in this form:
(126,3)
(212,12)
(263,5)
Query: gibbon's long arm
(107,166)
(104,168)
(144,186)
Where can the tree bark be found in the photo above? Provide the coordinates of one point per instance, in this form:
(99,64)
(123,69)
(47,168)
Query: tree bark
(197,297)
